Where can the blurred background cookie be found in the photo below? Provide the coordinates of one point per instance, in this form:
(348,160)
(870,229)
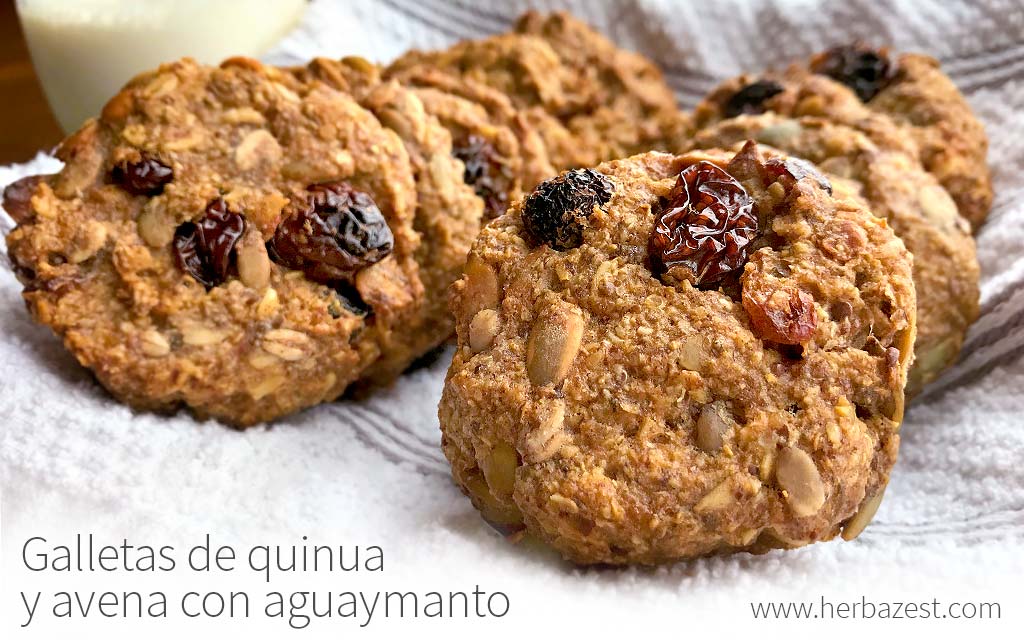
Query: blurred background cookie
(589,100)
(854,85)
(624,104)
(912,90)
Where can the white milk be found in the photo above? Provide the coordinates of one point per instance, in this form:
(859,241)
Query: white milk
(85,50)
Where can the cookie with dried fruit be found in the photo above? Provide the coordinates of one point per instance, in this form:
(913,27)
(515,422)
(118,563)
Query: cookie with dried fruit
(796,92)
(869,88)
(647,368)
(587,99)
(448,210)
(913,90)
(225,239)
(895,187)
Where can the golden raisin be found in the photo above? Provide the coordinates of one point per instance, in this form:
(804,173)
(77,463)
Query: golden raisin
(784,315)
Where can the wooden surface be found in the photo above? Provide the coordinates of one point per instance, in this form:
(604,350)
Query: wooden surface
(26,124)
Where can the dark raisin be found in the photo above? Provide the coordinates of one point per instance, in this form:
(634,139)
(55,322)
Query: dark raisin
(864,70)
(704,228)
(204,249)
(751,98)
(332,234)
(18,198)
(486,173)
(145,177)
(797,169)
(554,213)
(782,315)
(186,254)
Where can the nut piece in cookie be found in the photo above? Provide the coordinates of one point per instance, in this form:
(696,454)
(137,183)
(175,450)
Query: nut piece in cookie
(623,416)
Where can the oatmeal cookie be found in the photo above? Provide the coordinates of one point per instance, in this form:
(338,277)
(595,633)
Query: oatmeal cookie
(910,89)
(522,69)
(225,239)
(913,91)
(503,152)
(625,106)
(664,357)
(589,100)
(797,92)
(448,211)
(895,187)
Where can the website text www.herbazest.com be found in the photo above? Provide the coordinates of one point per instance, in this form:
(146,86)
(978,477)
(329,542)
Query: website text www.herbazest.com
(865,609)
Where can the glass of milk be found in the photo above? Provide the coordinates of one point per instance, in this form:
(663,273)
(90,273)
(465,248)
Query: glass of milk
(85,50)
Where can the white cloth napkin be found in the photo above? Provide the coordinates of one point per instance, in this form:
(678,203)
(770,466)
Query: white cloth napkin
(370,472)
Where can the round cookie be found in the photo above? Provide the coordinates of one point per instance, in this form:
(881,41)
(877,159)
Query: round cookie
(224,239)
(918,209)
(932,120)
(523,69)
(796,92)
(448,212)
(503,152)
(657,359)
(913,91)
(629,108)
(589,100)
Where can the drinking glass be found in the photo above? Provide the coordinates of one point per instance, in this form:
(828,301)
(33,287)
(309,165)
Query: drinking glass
(85,50)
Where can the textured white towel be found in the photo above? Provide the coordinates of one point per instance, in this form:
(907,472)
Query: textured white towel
(371,472)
